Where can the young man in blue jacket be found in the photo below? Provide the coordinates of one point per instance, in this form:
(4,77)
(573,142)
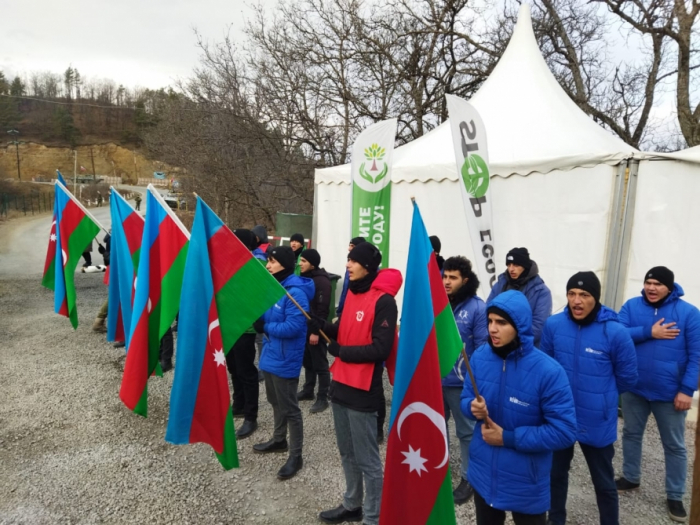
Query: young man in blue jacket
(599,358)
(284,338)
(522,274)
(666,333)
(524,413)
(461,284)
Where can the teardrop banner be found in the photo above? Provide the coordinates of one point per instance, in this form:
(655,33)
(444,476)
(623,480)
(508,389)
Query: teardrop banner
(471,155)
(372,154)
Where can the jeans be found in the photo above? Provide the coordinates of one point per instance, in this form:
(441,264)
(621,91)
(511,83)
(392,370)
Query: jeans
(671,425)
(356,434)
(240,362)
(487,515)
(602,474)
(282,395)
(464,426)
(316,364)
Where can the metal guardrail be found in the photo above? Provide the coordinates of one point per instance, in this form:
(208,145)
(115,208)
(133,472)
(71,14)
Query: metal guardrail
(26,204)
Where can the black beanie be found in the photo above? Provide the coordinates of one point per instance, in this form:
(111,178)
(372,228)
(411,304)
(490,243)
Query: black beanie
(284,255)
(312,256)
(661,274)
(435,242)
(357,240)
(519,256)
(247,237)
(496,310)
(367,254)
(587,281)
(297,237)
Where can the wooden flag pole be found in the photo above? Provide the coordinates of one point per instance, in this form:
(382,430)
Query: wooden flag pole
(471,376)
(327,339)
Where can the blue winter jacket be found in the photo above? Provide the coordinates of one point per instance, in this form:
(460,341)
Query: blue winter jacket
(666,366)
(284,336)
(343,294)
(538,295)
(470,316)
(527,394)
(259,254)
(601,364)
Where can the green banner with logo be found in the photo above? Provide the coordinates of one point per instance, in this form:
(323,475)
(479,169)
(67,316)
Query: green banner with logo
(472,157)
(371,185)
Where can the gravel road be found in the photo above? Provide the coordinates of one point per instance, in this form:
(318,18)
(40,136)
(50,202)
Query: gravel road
(70,452)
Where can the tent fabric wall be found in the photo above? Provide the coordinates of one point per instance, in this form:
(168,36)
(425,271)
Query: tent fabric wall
(562,217)
(665,218)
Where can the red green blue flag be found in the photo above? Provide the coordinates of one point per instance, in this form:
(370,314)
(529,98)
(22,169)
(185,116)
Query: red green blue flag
(156,298)
(417,481)
(73,229)
(225,289)
(125,248)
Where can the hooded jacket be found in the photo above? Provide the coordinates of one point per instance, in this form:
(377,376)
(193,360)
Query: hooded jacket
(528,395)
(261,251)
(470,315)
(321,302)
(284,336)
(666,366)
(538,295)
(600,362)
(383,330)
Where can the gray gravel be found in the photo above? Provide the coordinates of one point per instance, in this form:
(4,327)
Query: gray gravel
(70,452)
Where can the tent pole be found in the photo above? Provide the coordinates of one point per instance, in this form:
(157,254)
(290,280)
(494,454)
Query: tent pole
(626,236)
(615,232)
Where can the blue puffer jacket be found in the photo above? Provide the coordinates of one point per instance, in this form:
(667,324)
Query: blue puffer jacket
(538,295)
(601,364)
(284,339)
(527,394)
(259,254)
(470,316)
(666,366)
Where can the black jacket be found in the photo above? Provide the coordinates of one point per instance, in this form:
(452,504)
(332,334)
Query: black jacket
(321,303)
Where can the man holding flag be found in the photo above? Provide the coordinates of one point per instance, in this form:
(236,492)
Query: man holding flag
(525,411)
(363,339)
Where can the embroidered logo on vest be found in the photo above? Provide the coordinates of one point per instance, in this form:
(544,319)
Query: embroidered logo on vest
(360,315)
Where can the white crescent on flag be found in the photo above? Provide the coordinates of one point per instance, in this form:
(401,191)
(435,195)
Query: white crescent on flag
(435,418)
(212,325)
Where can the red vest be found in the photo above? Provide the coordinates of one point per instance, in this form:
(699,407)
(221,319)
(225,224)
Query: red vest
(356,330)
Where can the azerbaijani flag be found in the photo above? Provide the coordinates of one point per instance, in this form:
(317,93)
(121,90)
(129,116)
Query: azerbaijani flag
(417,481)
(156,298)
(125,247)
(48,277)
(72,230)
(225,289)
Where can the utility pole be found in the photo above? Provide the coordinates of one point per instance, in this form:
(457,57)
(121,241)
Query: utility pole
(14,134)
(92,158)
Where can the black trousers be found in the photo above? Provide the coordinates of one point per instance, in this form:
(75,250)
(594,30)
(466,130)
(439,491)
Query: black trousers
(487,515)
(167,346)
(240,362)
(316,365)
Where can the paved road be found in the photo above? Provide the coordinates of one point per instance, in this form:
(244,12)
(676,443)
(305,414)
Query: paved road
(23,241)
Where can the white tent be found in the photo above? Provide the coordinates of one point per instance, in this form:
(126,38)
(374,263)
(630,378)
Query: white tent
(664,215)
(560,206)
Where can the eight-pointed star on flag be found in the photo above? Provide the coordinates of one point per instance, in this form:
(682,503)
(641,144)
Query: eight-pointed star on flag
(219,357)
(53,237)
(414,460)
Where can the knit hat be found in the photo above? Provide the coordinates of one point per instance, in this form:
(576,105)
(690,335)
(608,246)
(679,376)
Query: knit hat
(312,256)
(283,255)
(496,310)
(435,242)
(260,232)
(661,274)
(587,281)
(519,256)
(367,254)
(247,237)
(297,237)
(357,240)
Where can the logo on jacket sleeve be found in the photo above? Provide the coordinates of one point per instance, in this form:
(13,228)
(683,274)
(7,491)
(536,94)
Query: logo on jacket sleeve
(360,315)
(385,324)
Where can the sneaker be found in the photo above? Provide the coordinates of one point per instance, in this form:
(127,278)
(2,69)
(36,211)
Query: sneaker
(463,492)
(99,325)
(676,511)
(623,485)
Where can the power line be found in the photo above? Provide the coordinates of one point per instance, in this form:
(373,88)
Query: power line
(59,103)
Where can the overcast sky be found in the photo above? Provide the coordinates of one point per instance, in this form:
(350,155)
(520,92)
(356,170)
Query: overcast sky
(146,43)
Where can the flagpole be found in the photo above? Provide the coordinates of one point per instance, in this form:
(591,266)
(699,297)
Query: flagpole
(307,316)
(77,202)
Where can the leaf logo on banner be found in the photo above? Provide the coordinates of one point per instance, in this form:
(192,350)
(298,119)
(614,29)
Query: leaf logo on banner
(374,153)
(475,174)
